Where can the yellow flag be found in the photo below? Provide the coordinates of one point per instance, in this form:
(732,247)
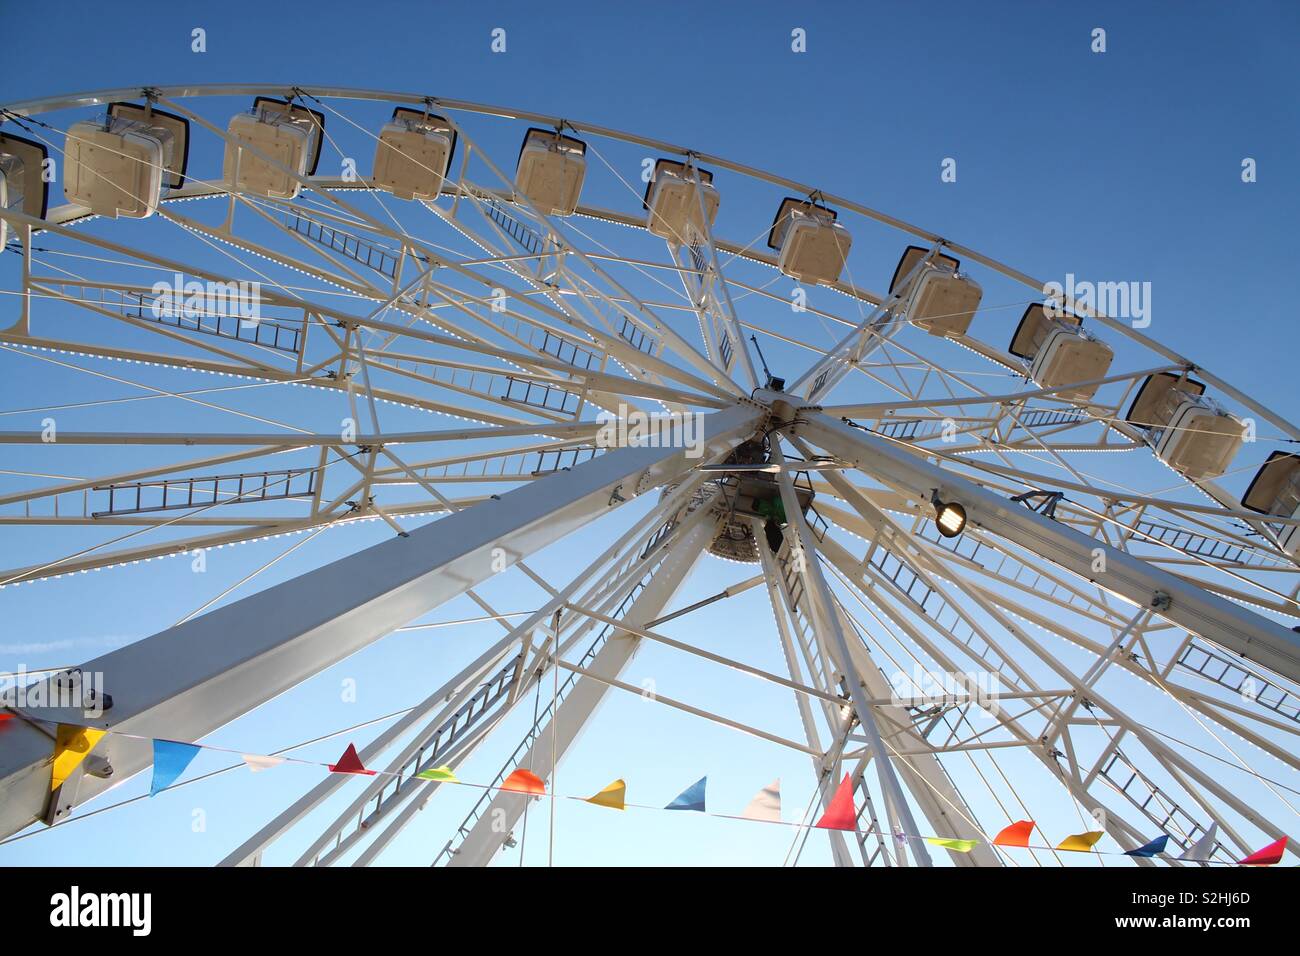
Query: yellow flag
(959,846)
(71,745)
(612,796)
(1081,842)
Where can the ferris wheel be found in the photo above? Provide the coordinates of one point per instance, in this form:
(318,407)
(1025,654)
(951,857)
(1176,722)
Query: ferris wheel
(988,523)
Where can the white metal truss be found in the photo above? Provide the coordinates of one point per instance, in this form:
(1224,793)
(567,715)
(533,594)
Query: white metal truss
(1092,585)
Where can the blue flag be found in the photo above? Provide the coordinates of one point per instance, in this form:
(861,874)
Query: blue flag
(692,798)
(1151,849)
(169,761)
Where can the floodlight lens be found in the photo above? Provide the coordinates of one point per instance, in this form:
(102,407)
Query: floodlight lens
(951,519)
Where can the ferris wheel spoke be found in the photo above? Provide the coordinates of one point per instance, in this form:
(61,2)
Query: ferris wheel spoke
(482,835)
(1128,577)
(1008,730)
(527,518)
(1213,546)
(805,664)
(1020,735)
(661,329)
(458,725)
(1060,723)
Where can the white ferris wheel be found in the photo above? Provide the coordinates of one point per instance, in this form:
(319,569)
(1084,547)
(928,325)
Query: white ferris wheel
(944,474)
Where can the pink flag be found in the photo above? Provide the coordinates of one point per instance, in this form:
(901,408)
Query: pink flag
(841,814)
(1268,856)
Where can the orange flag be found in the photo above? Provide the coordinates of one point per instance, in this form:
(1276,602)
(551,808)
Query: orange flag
(841,814)
(1268,856)
(1015,835)
(524,781)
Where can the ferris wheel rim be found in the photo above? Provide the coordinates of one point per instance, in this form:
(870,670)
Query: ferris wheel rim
(101,97)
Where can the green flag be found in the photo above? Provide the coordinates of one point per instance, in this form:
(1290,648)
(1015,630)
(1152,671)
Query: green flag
(958,846)
(442,774)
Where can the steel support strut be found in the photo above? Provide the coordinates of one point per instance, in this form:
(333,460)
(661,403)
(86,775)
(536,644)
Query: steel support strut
(189,680)
(1214,618)
(551,744)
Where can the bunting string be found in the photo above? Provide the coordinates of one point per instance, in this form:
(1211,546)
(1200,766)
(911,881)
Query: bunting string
(74,744)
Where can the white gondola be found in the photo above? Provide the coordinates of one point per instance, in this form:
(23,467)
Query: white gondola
(551,171)
(414,154)
(1275,491)
(287,134)
(681,200)
(115,167)
(1059,352)
(936,297)
(812,245)
(11,171)
(1192,434)
(22,168)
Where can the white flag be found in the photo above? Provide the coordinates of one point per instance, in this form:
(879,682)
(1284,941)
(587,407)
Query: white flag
(1201,850)
(256,762)
(766,804)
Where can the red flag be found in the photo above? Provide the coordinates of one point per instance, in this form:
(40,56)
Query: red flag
(1015,835)
(524,781)
(350,763)
(1266,857)
(841,814)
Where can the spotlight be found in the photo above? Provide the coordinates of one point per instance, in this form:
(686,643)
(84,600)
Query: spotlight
(949,517)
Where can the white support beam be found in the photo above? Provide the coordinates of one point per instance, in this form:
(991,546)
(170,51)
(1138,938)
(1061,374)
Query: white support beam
(187,681)
(552,742)
(595,578)
(1215,619)
(830,627)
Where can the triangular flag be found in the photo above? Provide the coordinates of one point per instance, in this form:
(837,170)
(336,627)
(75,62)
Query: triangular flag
(258,762)
(1202,849)
(442,774)
(957,846)
(1015,835)
(692,798)
(1154,848)
(170,759)
(841,814)
(524,781)
(612,796)
(766,804)
(1268,856)
(350,763)
(71,745)
(1081,842)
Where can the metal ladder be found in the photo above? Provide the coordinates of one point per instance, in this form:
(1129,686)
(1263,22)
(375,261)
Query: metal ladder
(534,731)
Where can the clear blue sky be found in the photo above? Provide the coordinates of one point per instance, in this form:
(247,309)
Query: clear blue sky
(1124,165)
